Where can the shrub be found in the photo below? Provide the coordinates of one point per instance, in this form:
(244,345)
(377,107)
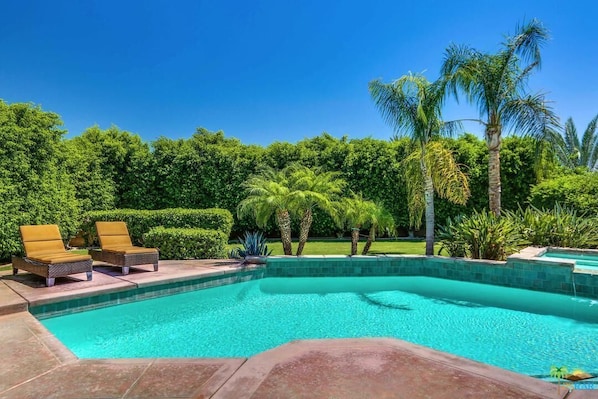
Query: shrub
(177,243)
(556,227)
(481,235)
(35,186)
(140,222)
(579,192)
(450,238)
(253,244)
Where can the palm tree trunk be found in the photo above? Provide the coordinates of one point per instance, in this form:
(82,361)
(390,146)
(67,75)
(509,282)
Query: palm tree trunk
(354,240)
(494,186)
(283,219)
(429,200)
(371,238)
(304,227)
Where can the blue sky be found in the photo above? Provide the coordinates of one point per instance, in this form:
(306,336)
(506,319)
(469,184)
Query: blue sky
(265,71)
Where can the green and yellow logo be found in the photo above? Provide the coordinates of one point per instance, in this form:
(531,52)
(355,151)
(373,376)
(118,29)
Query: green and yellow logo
(573,380)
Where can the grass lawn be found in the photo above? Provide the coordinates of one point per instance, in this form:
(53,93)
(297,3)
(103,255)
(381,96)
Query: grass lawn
(343,247)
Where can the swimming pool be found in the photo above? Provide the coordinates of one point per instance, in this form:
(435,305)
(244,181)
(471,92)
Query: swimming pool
(583,260)
(520,330)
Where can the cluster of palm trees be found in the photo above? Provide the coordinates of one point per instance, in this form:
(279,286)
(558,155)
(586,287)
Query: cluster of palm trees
(295,191)
(496,83)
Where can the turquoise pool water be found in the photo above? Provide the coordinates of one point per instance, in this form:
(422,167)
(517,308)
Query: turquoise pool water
(582,261)
(519,330)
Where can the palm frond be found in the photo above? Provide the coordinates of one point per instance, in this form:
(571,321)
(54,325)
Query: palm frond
(571,138)
(449,180)
(529,115)
(589,146)
(528,40)
(414,179)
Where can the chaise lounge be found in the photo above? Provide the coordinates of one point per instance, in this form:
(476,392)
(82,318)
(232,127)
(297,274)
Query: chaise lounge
(45,255)
(118,250)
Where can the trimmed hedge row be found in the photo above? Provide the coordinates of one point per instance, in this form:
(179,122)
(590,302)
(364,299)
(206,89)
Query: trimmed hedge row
(140,222)
(175,243)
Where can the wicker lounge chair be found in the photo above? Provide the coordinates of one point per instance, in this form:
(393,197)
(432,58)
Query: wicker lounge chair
(117,248)
(45,255)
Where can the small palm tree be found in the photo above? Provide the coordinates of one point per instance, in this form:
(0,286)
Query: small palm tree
(413,105)
(496,83)
(311,188)
(354,212)
(380,220)
(559,373)
(573,153)
(269,194)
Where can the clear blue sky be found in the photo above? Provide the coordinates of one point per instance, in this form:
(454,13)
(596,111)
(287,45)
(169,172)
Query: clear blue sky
(264,71)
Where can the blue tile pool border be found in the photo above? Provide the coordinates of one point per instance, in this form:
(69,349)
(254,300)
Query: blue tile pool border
(523,270)
(141,293)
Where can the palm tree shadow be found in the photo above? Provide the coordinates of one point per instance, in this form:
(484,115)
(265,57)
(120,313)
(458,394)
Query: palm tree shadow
(454,302)
(371,301)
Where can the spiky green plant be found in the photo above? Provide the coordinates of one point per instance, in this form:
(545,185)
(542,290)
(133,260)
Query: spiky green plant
(556,227)
(253,244)
(482,235)
(450,238)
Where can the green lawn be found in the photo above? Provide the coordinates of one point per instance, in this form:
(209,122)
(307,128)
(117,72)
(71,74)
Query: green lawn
(343,247)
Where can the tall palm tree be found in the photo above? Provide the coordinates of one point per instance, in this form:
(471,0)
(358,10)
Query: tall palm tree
(572,152)
(269,194)
(311,188)
(496,84)
(412,105)
(355,211)
(380,220)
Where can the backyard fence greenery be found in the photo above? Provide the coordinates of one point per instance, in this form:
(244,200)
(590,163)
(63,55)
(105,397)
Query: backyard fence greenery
(47,178)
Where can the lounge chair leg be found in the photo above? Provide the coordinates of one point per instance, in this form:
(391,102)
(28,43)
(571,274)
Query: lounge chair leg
(88,276)
(156,266)
(14,271)
(50,281)
(125,270)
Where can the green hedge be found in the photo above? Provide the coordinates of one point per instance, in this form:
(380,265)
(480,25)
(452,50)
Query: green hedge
(579,192)
(176,243)
(140,222)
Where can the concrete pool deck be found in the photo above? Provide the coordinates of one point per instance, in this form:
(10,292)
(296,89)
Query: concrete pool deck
(36,365)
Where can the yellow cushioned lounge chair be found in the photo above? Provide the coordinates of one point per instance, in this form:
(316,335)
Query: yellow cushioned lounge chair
(117,248)
(45,255)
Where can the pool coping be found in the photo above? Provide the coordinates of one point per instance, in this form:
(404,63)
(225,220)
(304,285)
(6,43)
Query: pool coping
(226,369)
(57,373)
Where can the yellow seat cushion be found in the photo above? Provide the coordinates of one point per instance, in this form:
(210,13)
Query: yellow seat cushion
(128,250)
(112,228)
(65,257)
(43,232)
(115,241)
(42,239)
(38,248)
(113,234)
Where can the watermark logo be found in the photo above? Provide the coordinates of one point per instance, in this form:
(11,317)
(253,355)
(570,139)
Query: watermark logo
(573,380)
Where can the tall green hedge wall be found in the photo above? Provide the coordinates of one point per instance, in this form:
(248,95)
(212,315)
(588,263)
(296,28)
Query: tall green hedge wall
(46,178)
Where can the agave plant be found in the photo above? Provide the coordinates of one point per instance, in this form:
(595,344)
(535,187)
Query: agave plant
(253,244)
